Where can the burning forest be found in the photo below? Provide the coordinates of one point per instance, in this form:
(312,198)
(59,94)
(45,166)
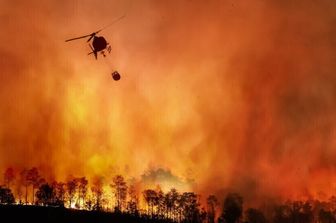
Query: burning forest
(124,198)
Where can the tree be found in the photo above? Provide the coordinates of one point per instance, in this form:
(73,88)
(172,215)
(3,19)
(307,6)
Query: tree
(6,196)
(132,204)
(59,190)
(33,178)
(46,195)
(97,191)
(281,214)
(82,187)
(326,216)
(71,186)
(160,202)
(255,216)
(181,203)
(332,202)
(9,176)
(23,179)
(300,212)
(191,207)
(233,208)
(150,197)
(18,191)
(202,216)
(171,199)
(120,190)
(212,203)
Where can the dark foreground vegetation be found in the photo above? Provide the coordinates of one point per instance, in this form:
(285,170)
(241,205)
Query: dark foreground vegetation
(30,198)
(40,214)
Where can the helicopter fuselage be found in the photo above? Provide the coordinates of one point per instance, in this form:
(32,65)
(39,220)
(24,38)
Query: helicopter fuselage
(99,43)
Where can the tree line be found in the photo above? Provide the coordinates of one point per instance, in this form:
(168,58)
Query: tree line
(171,206)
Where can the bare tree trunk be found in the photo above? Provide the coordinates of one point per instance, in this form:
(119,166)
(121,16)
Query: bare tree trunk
(33,195)
(26,194)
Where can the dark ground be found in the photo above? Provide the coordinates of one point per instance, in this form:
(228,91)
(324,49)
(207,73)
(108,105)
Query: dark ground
(38,214)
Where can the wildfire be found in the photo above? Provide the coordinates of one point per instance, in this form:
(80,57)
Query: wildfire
(223,96)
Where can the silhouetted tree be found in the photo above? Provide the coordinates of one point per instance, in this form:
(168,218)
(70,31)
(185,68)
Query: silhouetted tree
(255,216)
(202,216)
(181,203)
(18,191)
(326,216)
(6,196)
(160,202)
(46,195)
(293,212)
(97,191)
(120,190)
(150,197)
(232,208)
(25,182)
(82,187)
(300,212)
(171,199)
(33,178)
(212,203)
(71,186)
(59,190)
(168,204)
(132,204)
(9,176)
(281,214)
(332,202)
(191,207)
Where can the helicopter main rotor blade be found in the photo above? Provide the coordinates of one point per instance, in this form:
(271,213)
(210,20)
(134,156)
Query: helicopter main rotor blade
(90,38)
(81,37)
(92,35)
(97,32)
(114,21)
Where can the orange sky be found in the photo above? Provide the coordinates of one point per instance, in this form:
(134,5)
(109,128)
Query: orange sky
(235,95)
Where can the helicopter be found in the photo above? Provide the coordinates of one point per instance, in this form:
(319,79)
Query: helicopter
(99,43)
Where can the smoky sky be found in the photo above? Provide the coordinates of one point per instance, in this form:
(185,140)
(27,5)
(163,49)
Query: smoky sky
(236,95)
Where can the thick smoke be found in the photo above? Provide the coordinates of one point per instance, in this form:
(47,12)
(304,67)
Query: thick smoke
(237,95)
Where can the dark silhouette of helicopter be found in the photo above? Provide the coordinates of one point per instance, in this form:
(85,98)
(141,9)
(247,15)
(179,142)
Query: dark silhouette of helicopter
(99,43)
